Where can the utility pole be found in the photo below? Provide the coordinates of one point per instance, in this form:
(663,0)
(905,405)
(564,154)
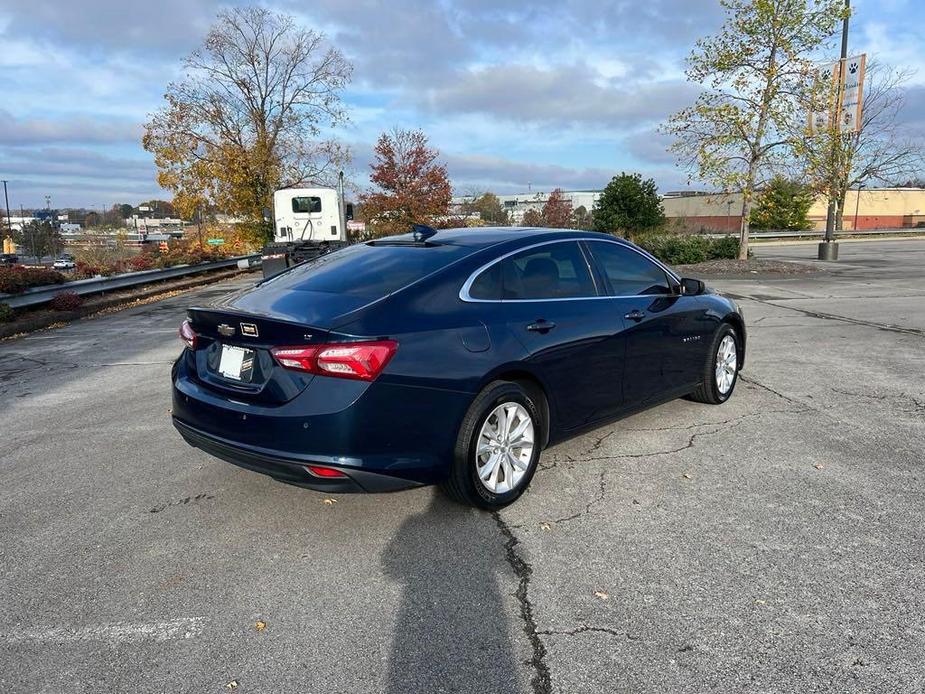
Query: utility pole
(9,223)
(828,249)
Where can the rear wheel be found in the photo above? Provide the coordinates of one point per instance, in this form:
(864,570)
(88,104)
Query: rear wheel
(721,370)
(497,448)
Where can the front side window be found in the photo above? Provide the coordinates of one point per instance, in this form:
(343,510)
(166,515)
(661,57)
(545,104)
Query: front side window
(629,273)
(552,271)
(306,205)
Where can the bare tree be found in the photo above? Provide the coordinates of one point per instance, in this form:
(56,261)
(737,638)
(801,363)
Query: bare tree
(752,71)
(878,152)
(248,115)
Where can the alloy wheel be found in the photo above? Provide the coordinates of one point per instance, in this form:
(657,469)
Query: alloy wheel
(504,447)
(726,364)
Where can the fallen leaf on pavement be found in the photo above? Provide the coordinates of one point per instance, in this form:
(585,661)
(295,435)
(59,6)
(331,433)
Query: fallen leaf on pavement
(330,502)
(686,476)
(601,594)
(260,626)
(760,602)
(818,466)
(232,685)
(545,526)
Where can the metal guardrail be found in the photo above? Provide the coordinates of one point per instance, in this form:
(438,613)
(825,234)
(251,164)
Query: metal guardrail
(813,233)
(98,285)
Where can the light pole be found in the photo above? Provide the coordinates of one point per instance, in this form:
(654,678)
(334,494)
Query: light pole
(9,223)
(828,248)
(857,204)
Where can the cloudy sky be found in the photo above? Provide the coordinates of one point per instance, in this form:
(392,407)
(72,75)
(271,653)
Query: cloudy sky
(515,94)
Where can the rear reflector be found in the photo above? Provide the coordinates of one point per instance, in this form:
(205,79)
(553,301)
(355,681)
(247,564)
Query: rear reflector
(357,360)
(187,334)
(324,471)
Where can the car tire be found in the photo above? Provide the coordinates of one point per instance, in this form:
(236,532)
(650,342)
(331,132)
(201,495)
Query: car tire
(716,389)
(464,483)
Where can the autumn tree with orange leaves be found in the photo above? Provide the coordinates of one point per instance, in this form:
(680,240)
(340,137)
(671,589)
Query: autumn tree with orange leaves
(249,115)
(411,184)
(557,212)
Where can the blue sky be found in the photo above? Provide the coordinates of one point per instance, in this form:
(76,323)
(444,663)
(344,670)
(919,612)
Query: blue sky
(546,93)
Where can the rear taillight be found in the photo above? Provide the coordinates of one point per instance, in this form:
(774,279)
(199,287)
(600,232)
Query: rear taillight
(188,335)
(328,472)
(358,360)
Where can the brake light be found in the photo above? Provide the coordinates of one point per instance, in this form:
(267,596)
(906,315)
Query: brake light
(188,335)
(357,360)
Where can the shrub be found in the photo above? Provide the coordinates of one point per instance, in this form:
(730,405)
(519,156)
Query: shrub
(690,249)
(65,301)
(6,313)
(15,280)
(142,261)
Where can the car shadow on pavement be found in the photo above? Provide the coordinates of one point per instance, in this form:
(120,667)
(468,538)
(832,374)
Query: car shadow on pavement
(451,633)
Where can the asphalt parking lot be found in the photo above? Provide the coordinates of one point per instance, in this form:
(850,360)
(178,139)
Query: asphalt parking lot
(773,544)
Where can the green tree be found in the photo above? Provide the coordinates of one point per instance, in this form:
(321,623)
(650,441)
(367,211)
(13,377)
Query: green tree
(248,115)
(39,238)
(783,204)
(629,205)
(752,72)
(582,219)
(489,208)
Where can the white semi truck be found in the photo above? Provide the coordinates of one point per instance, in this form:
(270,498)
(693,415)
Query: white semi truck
(307,223)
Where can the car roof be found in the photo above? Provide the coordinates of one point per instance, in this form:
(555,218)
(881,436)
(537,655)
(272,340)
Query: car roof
(484,237)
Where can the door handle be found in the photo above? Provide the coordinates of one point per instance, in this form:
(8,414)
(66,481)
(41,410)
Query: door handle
(541,326)
(635,315)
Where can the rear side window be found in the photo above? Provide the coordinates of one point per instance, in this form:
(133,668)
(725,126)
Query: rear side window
(553,271)
(368,271)
(629,273)
(306,205)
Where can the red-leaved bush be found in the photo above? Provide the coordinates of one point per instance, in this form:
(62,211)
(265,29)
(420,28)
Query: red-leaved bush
(15,280)
(65,301)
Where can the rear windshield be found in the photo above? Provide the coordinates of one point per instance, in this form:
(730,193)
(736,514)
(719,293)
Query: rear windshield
(368,271)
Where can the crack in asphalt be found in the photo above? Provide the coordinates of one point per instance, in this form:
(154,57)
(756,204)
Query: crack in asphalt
(888,327)
(761,385)
(586,627)
(541,682)
(916,404)
(596,500)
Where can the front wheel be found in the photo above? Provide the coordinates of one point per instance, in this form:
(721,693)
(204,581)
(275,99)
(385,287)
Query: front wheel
(721,371)
(497,448)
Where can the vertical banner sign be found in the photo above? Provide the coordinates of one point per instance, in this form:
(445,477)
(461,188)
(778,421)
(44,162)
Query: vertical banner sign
(852,91)
(832,79)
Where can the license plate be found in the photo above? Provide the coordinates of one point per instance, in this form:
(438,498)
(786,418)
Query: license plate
(231,362)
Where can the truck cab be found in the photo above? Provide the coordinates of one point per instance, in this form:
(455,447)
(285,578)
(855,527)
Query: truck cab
(307,214)
(307,223)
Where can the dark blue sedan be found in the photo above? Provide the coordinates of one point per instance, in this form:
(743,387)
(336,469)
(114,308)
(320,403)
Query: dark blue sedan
(452,357)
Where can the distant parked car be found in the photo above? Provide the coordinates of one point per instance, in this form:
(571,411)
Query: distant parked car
(451,357)
(8,259)
(65,262)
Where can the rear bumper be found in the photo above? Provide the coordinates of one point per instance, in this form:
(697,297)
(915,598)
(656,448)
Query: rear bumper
(287,469)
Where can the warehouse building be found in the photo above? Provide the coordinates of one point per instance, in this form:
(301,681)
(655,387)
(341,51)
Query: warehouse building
(874,208)
(517,204)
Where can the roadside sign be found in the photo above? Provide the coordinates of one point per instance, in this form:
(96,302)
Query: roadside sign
(215,242)
(852,101)
(848,80)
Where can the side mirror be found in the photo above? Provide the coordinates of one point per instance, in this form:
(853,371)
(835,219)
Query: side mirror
(692,287)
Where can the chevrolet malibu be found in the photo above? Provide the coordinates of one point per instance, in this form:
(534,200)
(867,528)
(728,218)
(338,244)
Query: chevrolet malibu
(451,357)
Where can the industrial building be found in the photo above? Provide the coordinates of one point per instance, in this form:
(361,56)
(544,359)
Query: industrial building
(517,204)
(869,208)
